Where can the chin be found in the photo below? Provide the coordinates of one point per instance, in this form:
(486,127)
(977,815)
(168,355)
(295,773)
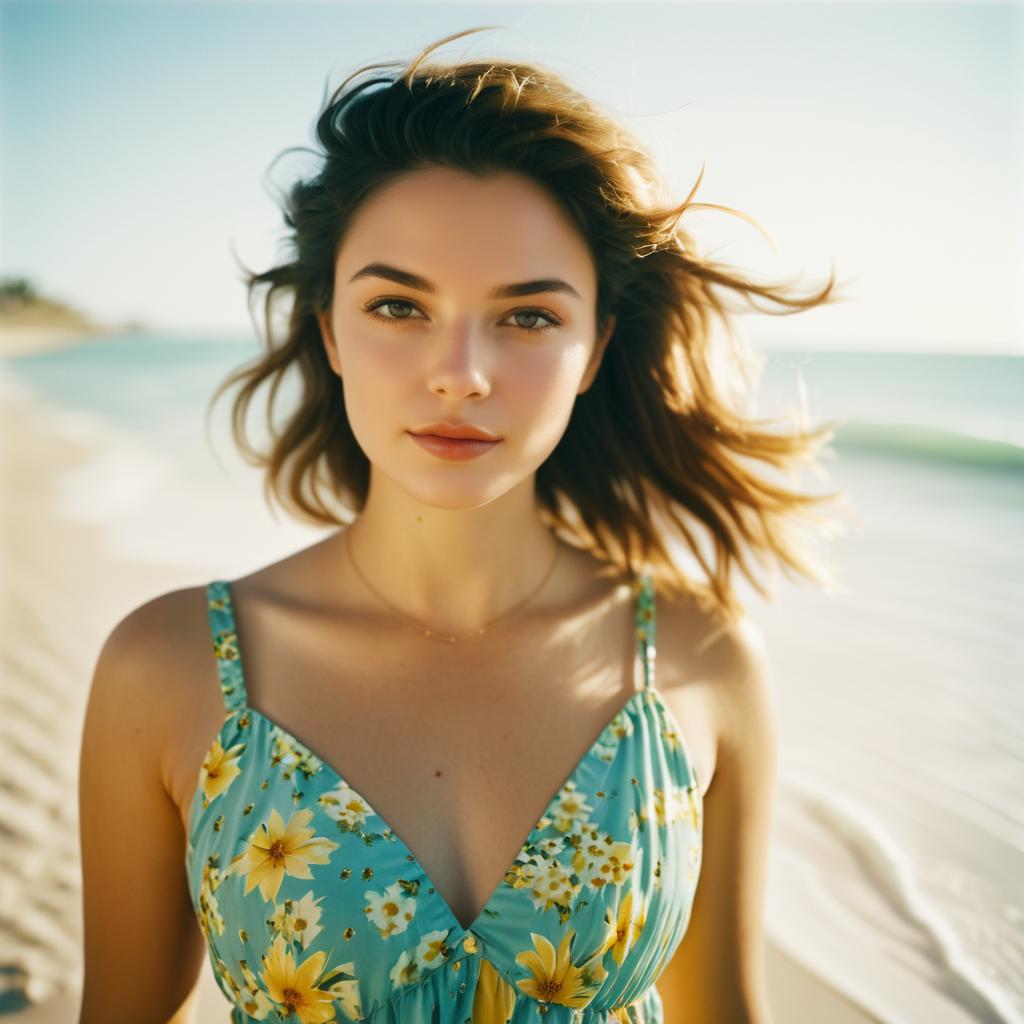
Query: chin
(454,487)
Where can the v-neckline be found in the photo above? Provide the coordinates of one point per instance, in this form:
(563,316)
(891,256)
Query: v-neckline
(336,777)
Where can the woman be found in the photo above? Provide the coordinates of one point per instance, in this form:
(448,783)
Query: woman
(443,784)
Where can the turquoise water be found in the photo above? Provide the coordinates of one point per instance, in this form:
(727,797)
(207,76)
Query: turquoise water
(959,409)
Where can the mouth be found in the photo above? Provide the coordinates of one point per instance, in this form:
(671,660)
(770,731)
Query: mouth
(459,430)
(456,449)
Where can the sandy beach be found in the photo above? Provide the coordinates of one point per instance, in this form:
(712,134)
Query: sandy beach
(61,593)
(33,329)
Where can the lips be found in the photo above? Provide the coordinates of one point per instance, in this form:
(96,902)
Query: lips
(453,449)
(461,431)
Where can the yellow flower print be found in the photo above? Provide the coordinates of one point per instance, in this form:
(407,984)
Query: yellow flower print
(344,989)
(256,1004)
(664,805)
(254,1001)
(411,966)
(289,753)
(228,985)
(555,978)
(297,920)
(344,804)
(225,645)
(293,986)
(494,999)
(620,727)
(210,920)
(629,1013)
(628,927)
(693,801)
(612,863)
(219,770)
(406,970)
(551,847)
(527,866)
(276,849)
(677,803)
(433,950)
(551,885)
(571,809)
(391,911)
(671,737)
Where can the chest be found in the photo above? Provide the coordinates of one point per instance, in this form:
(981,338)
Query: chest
(459,752)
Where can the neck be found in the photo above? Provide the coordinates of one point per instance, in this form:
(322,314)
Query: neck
(453,571)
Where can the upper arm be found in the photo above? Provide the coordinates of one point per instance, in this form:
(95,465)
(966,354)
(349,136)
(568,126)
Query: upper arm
(142,945)
(718,972)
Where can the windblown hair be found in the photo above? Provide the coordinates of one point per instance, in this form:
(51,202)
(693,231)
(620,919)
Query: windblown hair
(663,431)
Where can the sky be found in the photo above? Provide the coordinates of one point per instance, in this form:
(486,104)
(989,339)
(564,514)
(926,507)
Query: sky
(884,140)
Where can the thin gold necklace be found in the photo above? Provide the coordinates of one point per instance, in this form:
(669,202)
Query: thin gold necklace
(441,636)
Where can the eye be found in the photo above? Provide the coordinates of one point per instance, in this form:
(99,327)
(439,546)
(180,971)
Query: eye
(552,320)
(372,307)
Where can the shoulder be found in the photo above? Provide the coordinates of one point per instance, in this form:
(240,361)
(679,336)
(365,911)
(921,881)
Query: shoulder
(143,673)
(727,664)
(743,695)
(152,631)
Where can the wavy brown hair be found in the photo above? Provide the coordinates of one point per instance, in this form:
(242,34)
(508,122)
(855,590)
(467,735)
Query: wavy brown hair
(661,442)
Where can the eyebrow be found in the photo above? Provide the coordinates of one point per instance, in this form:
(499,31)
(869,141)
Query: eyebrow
(502,291)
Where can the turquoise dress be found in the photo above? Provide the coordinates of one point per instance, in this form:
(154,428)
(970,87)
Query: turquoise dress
(315,910)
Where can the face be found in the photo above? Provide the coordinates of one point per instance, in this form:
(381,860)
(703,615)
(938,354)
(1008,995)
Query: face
(441,342)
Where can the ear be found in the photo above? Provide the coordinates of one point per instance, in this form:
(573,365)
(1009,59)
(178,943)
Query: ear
(327,337)
(596,356)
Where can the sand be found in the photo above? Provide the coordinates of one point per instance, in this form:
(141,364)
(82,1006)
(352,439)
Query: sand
(61,593)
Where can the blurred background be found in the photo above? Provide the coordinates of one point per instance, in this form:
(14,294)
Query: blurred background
(886,140)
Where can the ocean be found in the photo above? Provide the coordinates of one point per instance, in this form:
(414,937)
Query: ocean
(897,864)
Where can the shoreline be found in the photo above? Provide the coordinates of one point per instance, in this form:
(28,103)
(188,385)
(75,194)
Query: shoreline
(60,595)
(25,338)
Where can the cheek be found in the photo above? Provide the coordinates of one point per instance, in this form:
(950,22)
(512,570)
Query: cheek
(544,384)
(375,383)
(541,394)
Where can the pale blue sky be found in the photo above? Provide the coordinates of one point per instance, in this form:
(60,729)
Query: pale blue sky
(886,137)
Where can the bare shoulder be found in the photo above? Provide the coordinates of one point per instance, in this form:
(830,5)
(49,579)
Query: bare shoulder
(716,674)
(736,657)
(156,620)
(155,663)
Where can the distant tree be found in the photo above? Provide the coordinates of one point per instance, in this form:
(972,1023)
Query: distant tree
(16,292)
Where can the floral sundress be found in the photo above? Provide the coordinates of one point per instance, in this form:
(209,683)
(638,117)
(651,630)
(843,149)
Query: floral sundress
(314,910)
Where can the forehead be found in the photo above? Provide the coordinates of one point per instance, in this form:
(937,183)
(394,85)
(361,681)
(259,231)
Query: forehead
(453,227)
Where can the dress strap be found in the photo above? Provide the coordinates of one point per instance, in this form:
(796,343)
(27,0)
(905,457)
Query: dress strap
(644,626)
(225,644)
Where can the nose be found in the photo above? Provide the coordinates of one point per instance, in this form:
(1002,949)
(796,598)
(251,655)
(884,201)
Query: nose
(460,369)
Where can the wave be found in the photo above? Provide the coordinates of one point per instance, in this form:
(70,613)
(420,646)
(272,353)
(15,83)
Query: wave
(885,868)
(962,446)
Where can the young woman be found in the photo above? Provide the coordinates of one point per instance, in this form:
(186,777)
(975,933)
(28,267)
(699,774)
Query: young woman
(434,770)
